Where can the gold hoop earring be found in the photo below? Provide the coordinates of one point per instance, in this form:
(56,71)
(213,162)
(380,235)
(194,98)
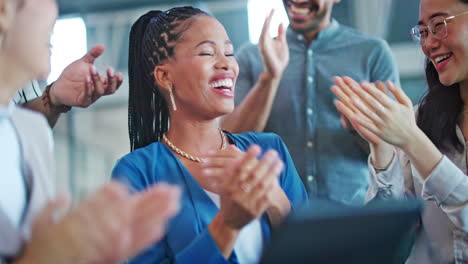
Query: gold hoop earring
(171,95)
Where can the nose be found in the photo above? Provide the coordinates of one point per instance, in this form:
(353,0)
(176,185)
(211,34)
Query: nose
(224,62)
(431,43)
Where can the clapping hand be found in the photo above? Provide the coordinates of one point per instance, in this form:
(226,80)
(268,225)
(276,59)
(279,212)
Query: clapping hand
(81,85)
(275,52)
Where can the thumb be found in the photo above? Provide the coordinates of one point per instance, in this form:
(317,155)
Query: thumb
(54,211)
(93,53)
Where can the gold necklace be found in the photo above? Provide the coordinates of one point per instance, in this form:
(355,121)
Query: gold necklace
(188,156)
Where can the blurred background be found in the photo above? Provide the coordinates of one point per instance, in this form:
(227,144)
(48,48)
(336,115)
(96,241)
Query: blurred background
(88,142)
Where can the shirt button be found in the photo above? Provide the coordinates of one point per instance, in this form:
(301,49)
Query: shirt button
(310,52)
(310,79)
(310,111)
(310,178)
(310,144)
(300,37)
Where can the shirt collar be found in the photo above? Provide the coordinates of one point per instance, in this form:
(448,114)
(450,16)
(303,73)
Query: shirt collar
(7,110)
(325,34)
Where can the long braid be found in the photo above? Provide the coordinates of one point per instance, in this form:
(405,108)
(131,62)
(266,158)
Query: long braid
(152,41)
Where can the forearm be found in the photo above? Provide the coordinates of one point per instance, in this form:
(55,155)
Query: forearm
(253,113)
(37,105)
(280,209)
(44,105)
(381,154)
(423,154)
(224,237)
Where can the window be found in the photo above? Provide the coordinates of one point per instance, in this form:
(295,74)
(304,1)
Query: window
(257,12)
(68,44)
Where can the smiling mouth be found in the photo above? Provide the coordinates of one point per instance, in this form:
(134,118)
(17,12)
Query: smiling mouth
(442,58)
(301,9)
(225,84)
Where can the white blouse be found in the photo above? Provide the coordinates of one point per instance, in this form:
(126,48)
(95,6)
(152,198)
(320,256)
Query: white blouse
(13,194)
(443,236)
(249,243)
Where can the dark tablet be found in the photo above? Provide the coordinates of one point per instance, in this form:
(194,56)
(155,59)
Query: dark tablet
(330,233)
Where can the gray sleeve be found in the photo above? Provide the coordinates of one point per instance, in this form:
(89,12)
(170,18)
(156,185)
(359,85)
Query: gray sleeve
(246,79)
(447,185)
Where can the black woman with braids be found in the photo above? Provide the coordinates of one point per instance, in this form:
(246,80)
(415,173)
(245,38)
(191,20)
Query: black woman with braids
(236,187)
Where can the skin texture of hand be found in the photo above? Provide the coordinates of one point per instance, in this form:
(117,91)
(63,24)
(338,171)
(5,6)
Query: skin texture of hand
(248,185)
(345,94)
(381,152)
(275,52)
(81,85)
(214,168)
(215,171)
(110,226)
(247,188)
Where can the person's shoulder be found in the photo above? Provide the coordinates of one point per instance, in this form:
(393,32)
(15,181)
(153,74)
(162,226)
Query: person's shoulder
(31,118)
(247,50)
(263,139)
(248,47)
(360,37)
(143,155)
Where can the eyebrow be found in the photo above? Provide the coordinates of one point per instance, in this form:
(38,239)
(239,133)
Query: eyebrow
(212,42)
(432,16)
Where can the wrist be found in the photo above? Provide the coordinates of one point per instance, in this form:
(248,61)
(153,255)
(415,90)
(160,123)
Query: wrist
(414,142)
(220,226)
(224,236)
(53,99)
(269,77)
(280,207)
(382,155)
(51,102)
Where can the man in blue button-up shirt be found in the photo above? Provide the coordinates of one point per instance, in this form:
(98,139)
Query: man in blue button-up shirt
(294,100)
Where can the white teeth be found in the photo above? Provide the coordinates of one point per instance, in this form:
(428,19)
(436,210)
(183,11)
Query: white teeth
(441,58)
(222,83)
(300,11)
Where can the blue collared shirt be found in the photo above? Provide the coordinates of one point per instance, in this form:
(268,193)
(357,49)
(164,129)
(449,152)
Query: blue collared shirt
(329,160)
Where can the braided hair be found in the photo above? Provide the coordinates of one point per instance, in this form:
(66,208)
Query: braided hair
(152,41)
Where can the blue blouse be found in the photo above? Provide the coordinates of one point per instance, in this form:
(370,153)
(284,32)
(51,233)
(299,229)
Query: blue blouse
(187,239)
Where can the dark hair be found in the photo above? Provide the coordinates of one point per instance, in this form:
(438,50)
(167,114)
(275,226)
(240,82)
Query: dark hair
(152,40)
(440,110)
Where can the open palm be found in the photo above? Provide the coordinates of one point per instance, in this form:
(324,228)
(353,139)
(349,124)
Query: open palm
(275,52)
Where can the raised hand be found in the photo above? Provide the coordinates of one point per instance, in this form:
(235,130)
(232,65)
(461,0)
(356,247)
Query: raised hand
(275,52)
(393,121)
(108,227)
(346,94)
(81,85)
(345,89)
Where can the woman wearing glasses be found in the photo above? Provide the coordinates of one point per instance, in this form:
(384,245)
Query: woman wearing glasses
(423,155)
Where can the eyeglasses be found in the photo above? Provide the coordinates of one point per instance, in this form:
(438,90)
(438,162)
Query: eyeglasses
(437,26)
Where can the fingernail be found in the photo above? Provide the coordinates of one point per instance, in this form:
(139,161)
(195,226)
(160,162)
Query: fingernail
(93,70)
(88,79)
(111,72)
